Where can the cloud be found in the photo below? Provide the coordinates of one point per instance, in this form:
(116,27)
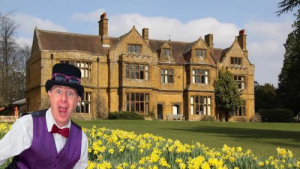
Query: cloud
(27,23)
(266,50)
(163,27)
(269,30)
(88,17)
(22,41)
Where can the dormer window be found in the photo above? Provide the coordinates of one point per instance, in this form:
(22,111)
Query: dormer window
(236,61)
(133,48)
(166,52)
(200,52)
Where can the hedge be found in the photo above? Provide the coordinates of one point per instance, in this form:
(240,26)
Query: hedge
(276,115)
(125,116)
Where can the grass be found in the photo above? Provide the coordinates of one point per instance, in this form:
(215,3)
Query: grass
(261,138)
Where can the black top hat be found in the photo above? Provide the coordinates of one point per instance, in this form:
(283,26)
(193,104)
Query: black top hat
(68,70)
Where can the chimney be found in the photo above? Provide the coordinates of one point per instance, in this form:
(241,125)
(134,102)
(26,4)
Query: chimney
(209,39)
(242,39)
(103,29)
(145,34)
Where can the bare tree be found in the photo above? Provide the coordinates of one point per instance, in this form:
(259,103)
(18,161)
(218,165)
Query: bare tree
(8,59)
(101,110)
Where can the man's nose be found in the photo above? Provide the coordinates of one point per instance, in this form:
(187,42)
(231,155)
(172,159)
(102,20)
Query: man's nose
(64,96)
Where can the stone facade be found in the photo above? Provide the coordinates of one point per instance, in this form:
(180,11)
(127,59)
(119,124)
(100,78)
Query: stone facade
(134,73)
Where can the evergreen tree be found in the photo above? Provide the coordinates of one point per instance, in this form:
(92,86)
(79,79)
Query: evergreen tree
(287,5)
(289,78)
(265,97)
(227,95)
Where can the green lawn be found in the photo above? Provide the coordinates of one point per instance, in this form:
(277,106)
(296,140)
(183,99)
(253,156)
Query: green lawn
(261,138)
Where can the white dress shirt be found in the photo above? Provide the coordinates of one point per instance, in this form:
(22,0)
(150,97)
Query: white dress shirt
(19,138)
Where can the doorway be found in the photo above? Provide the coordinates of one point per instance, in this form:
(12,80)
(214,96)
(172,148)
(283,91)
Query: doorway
(160,111)
(175,109)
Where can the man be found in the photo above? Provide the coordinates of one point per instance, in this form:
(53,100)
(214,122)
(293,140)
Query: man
(48,138)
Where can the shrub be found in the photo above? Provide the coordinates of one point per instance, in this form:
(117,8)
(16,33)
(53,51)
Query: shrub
(125,116)
(276,115)
(208,118)
(239,119)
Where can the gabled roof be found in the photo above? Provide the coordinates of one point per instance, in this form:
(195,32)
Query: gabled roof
(219,54)
(62,41)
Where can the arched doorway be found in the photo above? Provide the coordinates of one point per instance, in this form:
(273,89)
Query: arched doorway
(159,111)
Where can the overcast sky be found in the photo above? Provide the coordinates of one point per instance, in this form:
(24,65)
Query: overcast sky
(181,20)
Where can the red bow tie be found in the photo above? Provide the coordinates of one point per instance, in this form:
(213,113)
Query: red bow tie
(64,132)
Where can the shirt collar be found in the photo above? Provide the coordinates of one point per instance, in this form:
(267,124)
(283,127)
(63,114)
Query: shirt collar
(50,121)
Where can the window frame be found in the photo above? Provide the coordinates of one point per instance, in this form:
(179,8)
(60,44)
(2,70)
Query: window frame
(200,76)
(240,81)
(200,53)
(236,61)
(84,104)
(136,71)
(241,111)
(167,76)
(197,104)
(85,67)
(137,100)
(133,48)
(166,52)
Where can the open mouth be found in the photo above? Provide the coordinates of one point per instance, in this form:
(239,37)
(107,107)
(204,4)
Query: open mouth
(62,110)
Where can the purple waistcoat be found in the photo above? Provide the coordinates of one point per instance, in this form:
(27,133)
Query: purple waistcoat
(42,153)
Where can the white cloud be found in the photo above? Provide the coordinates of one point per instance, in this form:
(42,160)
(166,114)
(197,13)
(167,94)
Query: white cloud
(88,17)
(22,41)
(266,50)
(161,27)
(27,23)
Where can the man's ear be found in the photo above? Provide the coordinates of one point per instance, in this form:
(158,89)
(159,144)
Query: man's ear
(78,98)
(49,93)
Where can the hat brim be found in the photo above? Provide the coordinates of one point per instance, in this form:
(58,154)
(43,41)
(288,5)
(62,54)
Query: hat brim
(51,83)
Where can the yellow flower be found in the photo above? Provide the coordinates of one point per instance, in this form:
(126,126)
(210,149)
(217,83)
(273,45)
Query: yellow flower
(178,160)
(260,163)
(111,151)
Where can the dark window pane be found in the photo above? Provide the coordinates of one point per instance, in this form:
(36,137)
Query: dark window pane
(127,106)
(142,107)
(142,97)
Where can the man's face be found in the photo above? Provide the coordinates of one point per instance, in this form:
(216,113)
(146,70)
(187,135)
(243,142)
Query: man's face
(63,102)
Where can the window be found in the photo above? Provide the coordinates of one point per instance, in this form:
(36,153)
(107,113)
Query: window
(133,71)
(241,111)
(166,52)
(166,75)
(84,105)
(201,105)
(133,48)
(236,61)
(137,102)
(85,67)
(200,52)
(200,76)
(240,81)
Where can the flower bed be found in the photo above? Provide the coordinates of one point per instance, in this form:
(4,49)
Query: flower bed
(126,150)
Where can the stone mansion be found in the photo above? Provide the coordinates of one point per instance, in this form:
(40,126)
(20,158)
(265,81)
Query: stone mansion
(135,73)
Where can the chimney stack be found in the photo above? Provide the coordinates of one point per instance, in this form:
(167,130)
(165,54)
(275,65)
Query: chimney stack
(242,39)
(103,29)
(145,34)
(209,39)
